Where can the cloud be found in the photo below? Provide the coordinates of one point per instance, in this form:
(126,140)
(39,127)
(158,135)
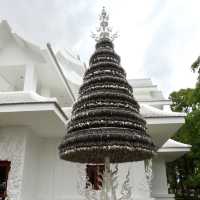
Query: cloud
(158,39)
(58,21)
(174,47)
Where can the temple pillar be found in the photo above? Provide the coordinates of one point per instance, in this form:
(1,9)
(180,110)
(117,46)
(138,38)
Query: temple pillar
(141,189)
(30,80)
(159,181)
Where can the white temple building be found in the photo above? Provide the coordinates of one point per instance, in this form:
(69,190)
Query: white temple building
(35,105)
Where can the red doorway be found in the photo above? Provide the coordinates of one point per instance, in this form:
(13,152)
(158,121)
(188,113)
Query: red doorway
(94,174)
(4,171)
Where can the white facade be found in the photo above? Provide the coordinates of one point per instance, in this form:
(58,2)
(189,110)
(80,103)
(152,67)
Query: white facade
(35,105)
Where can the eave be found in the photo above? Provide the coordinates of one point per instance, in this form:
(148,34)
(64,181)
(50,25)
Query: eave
(161,102)
(46,119)
(172,150)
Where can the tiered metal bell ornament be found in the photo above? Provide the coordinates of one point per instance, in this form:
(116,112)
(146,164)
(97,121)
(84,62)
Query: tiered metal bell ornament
(105,120)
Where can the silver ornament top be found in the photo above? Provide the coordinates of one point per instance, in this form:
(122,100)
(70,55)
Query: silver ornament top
(104,31)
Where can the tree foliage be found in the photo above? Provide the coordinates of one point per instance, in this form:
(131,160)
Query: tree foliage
(196,68)
(184,173)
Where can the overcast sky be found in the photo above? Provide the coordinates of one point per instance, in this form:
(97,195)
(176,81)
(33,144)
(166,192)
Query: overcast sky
(158,38)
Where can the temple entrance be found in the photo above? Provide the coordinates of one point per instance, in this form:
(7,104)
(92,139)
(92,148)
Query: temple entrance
(4,170)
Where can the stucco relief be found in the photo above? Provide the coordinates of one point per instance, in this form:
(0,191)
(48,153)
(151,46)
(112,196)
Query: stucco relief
(12,148)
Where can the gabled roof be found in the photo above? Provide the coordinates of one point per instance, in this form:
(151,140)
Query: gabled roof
(7,36)
(49,76)
(73,69)
(141,83)
(73,61)
(42,115)
(151,112)
(172,150)
(161,124)
(170,144)
(146,91)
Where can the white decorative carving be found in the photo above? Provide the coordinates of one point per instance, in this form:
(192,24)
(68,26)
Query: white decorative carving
(109,183)
(12,148)
(149,172)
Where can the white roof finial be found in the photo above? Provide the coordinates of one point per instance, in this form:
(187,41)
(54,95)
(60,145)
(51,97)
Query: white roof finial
(104,30)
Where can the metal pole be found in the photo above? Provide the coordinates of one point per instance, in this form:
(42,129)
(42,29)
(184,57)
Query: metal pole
(107,181)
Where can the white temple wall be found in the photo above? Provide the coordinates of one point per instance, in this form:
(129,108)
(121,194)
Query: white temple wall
(45,92)
(57,179)
(12,148)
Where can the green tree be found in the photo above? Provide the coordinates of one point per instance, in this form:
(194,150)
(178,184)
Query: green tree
(185,179)
(196,67)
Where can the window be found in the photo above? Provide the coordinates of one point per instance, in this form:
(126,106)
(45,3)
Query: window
(94,173)
(4,170)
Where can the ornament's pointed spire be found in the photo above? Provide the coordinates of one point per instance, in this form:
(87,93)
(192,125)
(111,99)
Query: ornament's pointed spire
(104,31)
